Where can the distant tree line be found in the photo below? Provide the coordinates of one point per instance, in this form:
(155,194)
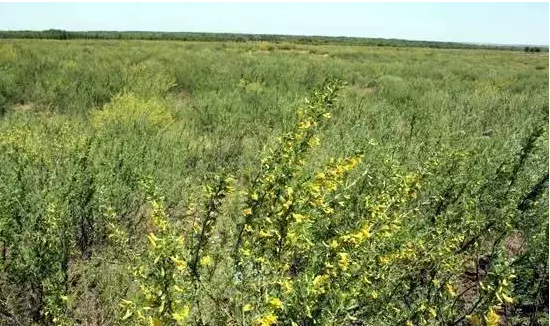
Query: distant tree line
(534,49)
(231,37)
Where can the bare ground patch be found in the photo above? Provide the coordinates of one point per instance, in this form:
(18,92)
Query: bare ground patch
(515,244)
(181,98)
(365,90)
(23,107)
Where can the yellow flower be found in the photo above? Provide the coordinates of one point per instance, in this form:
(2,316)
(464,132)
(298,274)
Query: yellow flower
(299,217)
(276,303)
(318,283)
(152,239)
(492,318)
(247,307)
(317,202)
(343,260)
(287,204)
(450,290)
(206,261)
(315,188)
(266,320)
(363,233)
(247,211)
(304,124)
(182,314)
(287,287)
(314,141)
(289,191)
(384,261)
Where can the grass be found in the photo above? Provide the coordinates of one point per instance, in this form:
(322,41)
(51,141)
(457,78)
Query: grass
(94,132)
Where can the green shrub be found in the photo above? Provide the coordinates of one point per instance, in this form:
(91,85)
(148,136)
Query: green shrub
(304,252)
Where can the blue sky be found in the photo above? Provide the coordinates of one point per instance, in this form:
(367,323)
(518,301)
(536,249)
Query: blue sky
(500,23)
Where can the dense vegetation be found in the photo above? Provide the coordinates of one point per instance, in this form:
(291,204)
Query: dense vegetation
(185,183)
(231,37)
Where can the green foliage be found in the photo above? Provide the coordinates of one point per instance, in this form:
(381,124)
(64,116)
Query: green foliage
(416,194)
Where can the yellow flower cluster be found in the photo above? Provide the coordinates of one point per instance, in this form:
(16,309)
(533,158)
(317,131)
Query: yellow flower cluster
(266,320)
(328,181)
(407,253)
(358,237)
(163,264)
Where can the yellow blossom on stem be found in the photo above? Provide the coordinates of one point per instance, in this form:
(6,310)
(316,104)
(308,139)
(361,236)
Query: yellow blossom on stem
(276,303)
(266,320)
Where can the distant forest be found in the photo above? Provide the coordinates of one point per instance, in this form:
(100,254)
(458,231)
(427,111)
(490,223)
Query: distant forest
(229,37)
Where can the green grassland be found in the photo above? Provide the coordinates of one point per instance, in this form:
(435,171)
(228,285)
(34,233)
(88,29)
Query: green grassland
(110,147)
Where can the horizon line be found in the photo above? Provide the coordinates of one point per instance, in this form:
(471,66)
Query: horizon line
(270,34)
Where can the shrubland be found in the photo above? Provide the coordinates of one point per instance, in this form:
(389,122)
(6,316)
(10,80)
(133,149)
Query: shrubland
(169,183)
